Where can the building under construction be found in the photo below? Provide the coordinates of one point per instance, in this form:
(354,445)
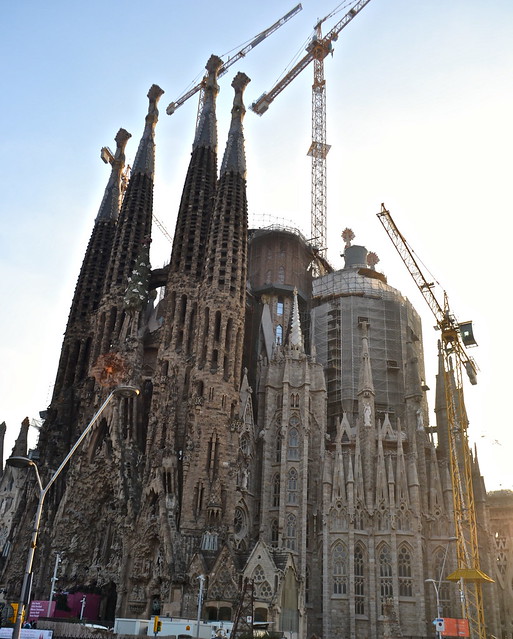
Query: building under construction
(281,436)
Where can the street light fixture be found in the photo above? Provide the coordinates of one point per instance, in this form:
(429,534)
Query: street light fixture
(438,584)
(25,462)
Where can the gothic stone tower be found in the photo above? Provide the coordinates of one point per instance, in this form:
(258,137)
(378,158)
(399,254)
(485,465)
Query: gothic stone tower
(191,476)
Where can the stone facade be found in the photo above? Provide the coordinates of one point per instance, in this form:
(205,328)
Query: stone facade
(281,434)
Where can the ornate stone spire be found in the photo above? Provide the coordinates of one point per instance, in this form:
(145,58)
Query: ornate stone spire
(20,446)
(413,388)
(206,130)
(145,158)
(197,202)
(109,208)
(3,428)
(381,498)
(234,156)
(366,384)
(134,225)
(296,336)
(441,407)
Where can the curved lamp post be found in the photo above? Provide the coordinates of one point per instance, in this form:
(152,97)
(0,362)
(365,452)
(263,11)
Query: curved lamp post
(437,584)
(24,462)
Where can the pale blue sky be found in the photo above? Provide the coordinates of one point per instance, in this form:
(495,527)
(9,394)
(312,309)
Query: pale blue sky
(419,104)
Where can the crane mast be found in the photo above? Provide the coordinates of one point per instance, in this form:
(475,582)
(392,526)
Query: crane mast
(468,575)
(318,48)
(319,149)
(226,65)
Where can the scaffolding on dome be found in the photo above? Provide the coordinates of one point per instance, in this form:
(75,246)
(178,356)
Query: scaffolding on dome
(343,302)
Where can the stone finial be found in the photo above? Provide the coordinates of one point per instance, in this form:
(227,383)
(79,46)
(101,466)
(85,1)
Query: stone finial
(348,237)
(372,259)
(296,336)
(234,156)
(239,83)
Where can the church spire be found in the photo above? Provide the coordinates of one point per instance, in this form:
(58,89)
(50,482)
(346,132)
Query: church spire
(220,311)
(134,225)
(226,257)
(196,204)
(235,157)
(92,273)
(145,158)
(109,208)
(206,131)
(442,428)
(21,443)
(296,335)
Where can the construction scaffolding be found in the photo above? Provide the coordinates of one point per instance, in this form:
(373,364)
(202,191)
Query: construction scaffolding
(343,301)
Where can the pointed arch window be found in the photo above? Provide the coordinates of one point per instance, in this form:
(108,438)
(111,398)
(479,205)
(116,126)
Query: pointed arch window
(276,491)
(274,532)
(385,575)
(244,444)
(292,486)
(258,574)
(501,550)
(359,579)
(291,532)
(277,457)
(293,444)
(403,517)
(404,571)
(279,334)
(358,517)
(339,558)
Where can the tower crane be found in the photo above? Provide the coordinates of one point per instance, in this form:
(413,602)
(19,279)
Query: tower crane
(455,337)
(226,65)
(316,50)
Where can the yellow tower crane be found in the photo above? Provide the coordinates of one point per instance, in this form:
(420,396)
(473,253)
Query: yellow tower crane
(317,49)
(455,337)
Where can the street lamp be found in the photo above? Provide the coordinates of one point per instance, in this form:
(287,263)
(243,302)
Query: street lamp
(24,462)
(200,603)
(438,584)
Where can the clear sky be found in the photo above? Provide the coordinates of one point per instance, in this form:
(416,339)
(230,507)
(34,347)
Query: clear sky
(419,104)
